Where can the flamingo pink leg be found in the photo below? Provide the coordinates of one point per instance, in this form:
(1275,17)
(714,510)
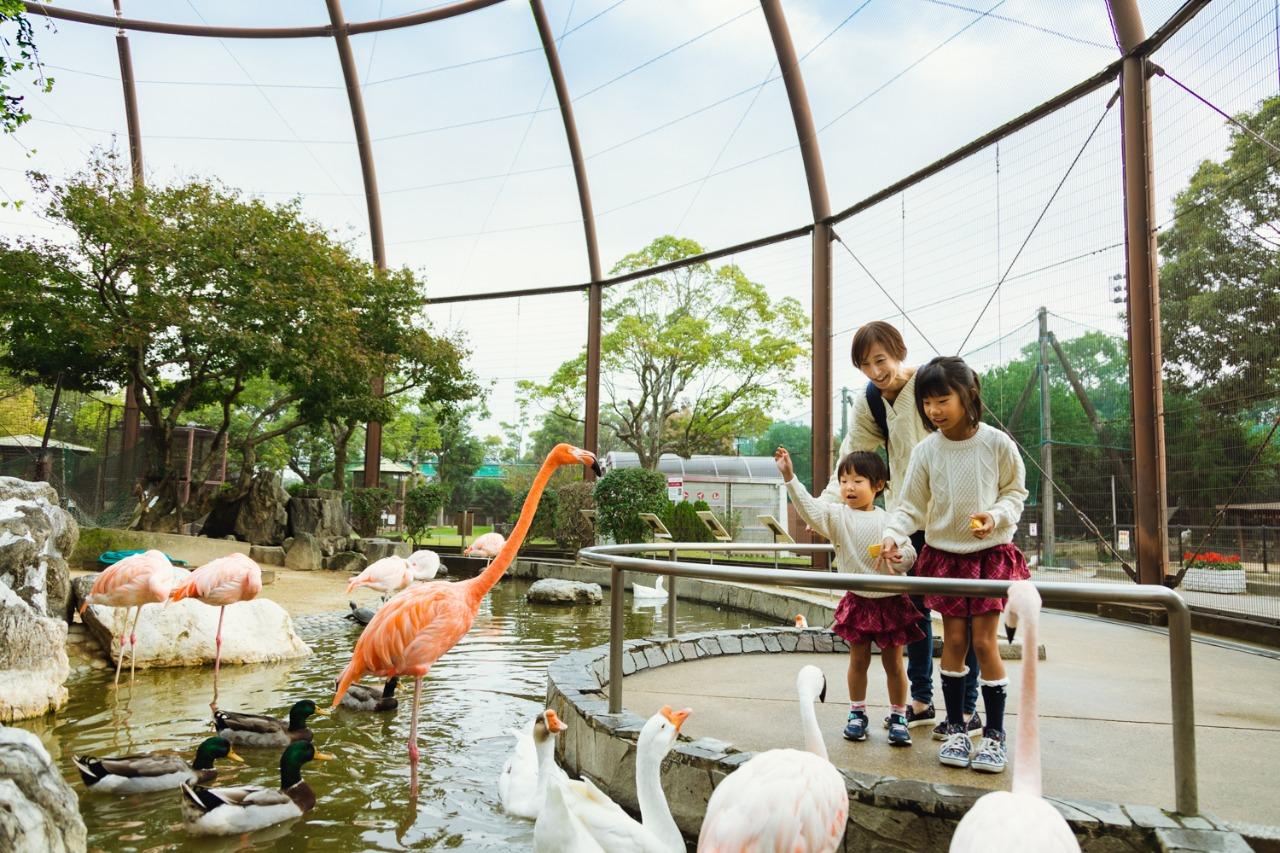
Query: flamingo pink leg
(217,656)
(123,634)
(413,739)
(133,645)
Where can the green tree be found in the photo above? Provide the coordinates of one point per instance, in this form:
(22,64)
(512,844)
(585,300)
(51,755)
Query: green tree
(797,439)
(422,504)
(13,113)
(459,454)
(624,493)
(572,530)
(1220,271)
(689,358)
(494,500)
(367,507)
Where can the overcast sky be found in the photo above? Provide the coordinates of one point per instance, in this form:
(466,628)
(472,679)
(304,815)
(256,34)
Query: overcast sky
(686,130)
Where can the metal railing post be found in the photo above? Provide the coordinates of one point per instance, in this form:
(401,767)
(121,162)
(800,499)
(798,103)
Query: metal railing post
(617,636)
(1184,707)
(671,600)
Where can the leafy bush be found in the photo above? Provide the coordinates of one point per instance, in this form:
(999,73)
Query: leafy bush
(572,531)
(1213,561)
(422,504)
(681,518)
(544,520)
(367,506)
(294,488)
(625,493)
(493,500)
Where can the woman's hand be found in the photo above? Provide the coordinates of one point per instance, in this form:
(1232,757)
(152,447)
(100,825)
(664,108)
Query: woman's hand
(981,524)
(783,458)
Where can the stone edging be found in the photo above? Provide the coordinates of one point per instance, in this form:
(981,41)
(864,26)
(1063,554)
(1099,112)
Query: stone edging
(885,813)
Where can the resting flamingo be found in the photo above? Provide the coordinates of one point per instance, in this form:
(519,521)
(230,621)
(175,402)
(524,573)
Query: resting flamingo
(138,579)
(801,622)
(1021,820)
(425,564)
(387,576)
(781,800)
(218,583)
(413,630)
(489,545)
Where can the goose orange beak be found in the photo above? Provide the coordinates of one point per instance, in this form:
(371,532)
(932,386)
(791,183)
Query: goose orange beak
(555,725)
(675,718)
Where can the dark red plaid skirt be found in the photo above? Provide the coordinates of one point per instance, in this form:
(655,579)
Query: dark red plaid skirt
(887,622)
(997,563)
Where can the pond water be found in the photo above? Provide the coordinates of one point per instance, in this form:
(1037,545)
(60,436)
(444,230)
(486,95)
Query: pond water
(493,680)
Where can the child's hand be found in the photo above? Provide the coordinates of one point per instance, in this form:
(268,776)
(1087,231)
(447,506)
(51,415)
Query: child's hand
(889,554)
(783,458)
(981,524)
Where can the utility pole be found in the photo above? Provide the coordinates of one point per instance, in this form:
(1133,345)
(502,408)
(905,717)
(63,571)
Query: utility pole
(1047,502)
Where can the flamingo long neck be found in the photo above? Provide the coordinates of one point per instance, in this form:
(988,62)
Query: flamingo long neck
(655,814)
(483,582)
(1026,754)
(809,724)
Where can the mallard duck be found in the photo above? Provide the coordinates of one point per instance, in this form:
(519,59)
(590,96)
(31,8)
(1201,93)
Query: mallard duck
(154,771)
(232,811)
(261,730)
(362,698)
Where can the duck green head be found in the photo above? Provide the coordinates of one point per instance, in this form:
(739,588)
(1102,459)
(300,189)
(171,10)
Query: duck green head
(295,755)
(300,711)
(212,749)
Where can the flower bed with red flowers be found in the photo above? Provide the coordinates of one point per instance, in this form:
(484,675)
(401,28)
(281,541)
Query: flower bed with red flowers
(1213,561)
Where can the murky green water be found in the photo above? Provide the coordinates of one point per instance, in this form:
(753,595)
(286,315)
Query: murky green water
(494,679)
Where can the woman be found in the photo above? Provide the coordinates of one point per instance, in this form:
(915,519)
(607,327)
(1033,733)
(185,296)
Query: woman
(885,416)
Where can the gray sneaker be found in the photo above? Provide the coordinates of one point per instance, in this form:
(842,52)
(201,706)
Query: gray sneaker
(955,750)
(990,755)
(972,725)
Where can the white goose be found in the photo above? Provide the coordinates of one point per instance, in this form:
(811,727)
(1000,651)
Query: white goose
(642,591)
(1003,821)
(522,786)
(782,799)
(574,809)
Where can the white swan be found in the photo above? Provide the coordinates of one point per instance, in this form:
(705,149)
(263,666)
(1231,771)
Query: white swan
(424,564)
(782,799)
(655,591)
(522,785)
(1003,821)
(573,807)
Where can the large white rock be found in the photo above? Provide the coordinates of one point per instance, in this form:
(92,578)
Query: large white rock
(39,813)
(33,660)
(182,633)
(557,591)
(36,537)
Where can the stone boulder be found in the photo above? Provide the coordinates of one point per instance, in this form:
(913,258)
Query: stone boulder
(39,813)
(33,661)
(320,513)
(303,554)
(376,549)
(556,591)
(263,517)
(346,561)
(267,555)
(36,537)
(182,633)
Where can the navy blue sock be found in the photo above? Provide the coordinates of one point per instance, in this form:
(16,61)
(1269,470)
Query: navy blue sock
(953,696)
(993,696)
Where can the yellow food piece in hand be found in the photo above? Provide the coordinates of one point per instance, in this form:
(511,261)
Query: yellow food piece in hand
(874,550)
(975,524)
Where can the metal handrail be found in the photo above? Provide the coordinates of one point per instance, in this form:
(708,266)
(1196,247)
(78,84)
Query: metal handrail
(619,560)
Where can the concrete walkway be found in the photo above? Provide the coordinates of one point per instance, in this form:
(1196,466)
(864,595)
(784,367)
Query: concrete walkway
(1104,710)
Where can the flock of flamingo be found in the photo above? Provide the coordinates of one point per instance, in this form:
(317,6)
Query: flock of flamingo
(779,800)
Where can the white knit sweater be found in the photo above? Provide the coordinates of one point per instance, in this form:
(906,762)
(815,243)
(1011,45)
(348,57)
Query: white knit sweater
(906,430)
(948,481)
(850,531)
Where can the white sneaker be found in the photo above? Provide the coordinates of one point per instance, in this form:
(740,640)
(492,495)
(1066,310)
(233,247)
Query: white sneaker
(990,755)
(955,751)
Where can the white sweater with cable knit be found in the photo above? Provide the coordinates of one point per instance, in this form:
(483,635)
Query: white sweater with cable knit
(948,481)
(850,531)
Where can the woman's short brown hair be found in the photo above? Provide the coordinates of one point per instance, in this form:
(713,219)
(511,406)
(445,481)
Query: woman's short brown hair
(877,332)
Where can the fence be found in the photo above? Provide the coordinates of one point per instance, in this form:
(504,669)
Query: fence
(618,559)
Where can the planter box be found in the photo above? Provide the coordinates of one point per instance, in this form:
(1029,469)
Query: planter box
(1230,581)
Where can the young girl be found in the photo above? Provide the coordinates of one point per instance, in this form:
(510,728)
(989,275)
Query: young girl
(965,487)
(888,619)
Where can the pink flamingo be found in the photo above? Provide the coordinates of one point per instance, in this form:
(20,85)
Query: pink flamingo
(136,580)
(388,575)
(425,564)
(417,627)
(218,583)
(489,545)
(1021,820)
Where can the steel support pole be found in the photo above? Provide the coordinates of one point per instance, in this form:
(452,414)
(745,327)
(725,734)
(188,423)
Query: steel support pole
(1047,501)
(1150,497)
(132,415)
(807,136)
(351,76)
(671,598)
(617,636)
(595,293)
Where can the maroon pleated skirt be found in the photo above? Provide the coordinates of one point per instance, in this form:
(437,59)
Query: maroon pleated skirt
(887,622)
(997,563)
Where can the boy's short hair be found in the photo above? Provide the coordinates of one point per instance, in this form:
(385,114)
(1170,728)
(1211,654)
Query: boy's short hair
(865,464)
(877,332)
